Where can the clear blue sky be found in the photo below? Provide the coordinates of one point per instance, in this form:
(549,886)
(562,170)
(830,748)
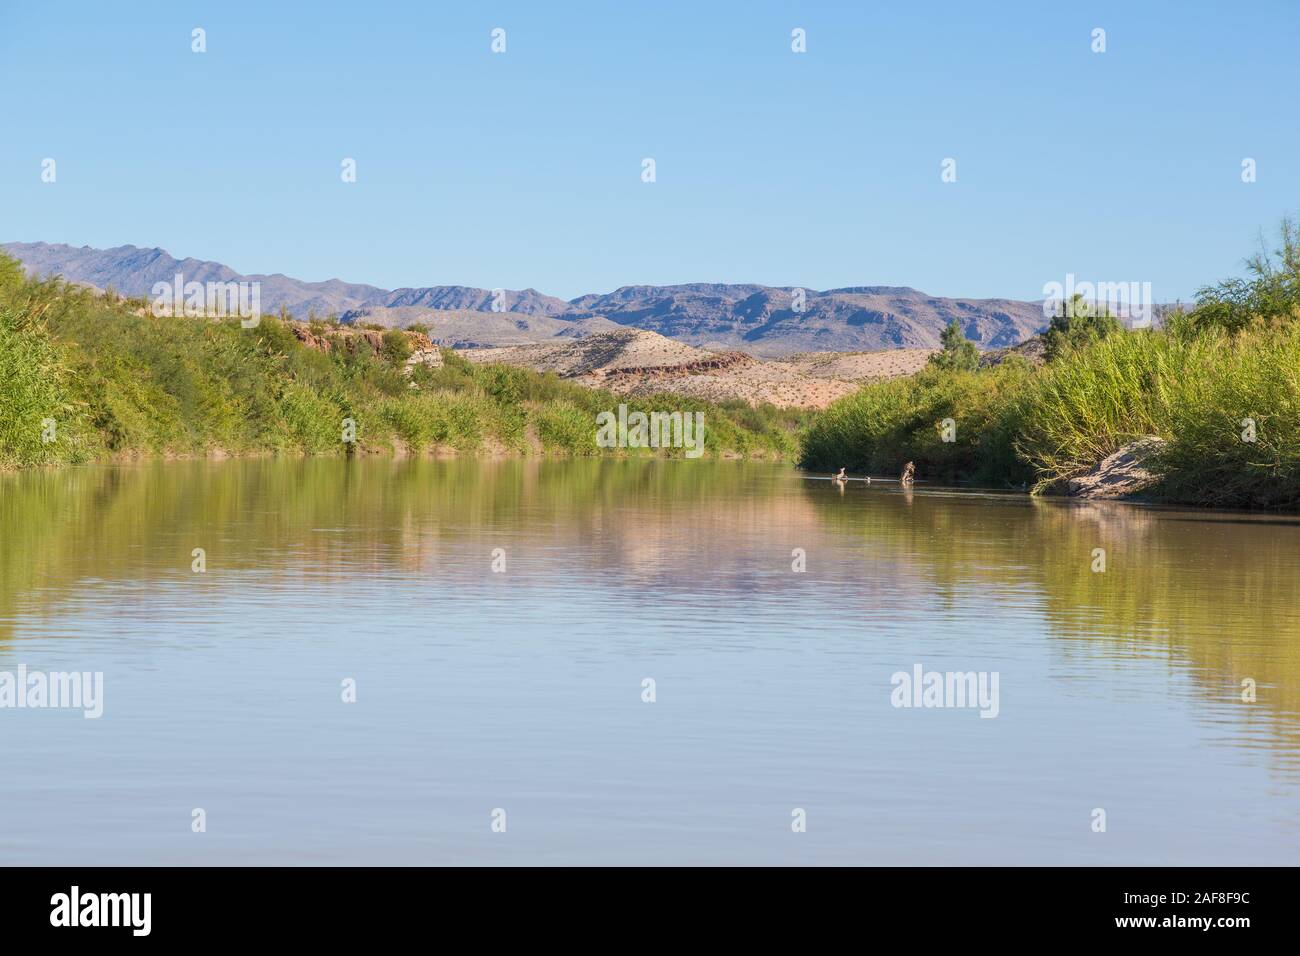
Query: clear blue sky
(523,169)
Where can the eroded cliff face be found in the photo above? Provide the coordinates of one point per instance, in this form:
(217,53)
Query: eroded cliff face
(334,337)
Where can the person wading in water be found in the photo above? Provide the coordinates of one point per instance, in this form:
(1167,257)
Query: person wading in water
(909,470)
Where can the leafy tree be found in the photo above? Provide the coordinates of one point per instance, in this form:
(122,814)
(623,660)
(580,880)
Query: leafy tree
(1270,295)
(1078,323)
(959,354)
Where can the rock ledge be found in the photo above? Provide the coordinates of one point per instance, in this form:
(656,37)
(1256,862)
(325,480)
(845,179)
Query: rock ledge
(1122,474)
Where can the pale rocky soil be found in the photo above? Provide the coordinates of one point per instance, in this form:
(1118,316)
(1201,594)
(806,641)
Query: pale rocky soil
(1122,474)
(636,362)
(861,366)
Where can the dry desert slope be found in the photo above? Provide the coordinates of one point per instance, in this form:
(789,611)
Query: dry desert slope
(635,362)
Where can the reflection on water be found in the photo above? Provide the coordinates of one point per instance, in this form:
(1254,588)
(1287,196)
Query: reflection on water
(522,689)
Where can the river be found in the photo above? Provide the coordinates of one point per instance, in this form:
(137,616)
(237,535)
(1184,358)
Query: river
(637,662)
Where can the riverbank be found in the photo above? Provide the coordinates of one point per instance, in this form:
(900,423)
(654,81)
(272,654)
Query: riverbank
(1203,411)
(1225,409)
(87,377)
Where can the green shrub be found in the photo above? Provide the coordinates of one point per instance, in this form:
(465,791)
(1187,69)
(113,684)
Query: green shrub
(953,425)
(40,422)
(563,426)
(311,422)
(397,347)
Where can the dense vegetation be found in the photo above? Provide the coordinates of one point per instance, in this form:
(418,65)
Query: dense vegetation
(1076,324)
(85,377)
(1219,384)
(883,425)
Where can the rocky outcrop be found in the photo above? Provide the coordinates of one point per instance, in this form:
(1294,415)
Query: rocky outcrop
(1032,350)
(1123,474)
(431,357)
(713,363)
(333,337)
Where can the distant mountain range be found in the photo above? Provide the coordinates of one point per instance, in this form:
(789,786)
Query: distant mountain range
(759,319)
